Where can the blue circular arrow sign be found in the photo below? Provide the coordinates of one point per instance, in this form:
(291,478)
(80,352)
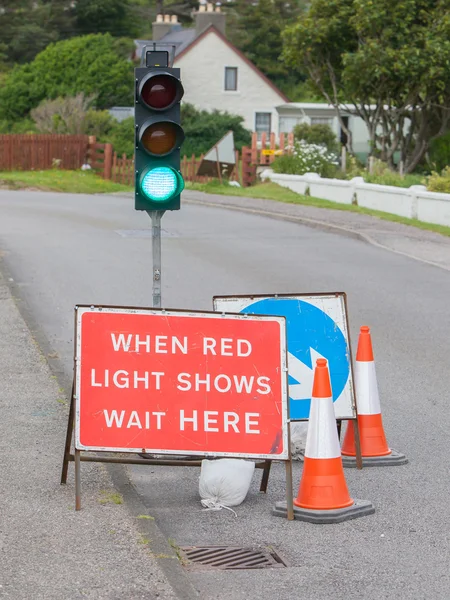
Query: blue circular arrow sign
(311,334)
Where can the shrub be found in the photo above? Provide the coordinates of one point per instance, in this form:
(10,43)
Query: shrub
(99,123)
(381,174)
(394,179)
(307,158)
(203,129)
(319,134)
(91,64)
(121,136)
(63,115)
(22,126)
(439,182)
(439,153)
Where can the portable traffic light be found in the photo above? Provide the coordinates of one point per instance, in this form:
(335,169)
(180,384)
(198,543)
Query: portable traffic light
(158,134)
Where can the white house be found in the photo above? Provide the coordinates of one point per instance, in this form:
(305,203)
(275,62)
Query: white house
(292,113)
(215,74)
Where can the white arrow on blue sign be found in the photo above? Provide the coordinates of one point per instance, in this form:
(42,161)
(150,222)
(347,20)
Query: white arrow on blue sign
(317,327)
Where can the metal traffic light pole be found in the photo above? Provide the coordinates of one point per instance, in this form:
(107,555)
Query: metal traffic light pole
(157,54)
(156,216)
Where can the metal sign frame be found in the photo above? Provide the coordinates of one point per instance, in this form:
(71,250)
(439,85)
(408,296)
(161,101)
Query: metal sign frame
(73,423)
(343,297)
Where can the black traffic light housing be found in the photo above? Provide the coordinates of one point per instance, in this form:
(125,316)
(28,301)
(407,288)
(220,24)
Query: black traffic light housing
(158,134)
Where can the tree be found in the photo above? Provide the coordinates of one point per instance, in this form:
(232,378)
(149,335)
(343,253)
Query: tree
(112,16)
(386,60)
(90,64)
(256,29)
(28,26)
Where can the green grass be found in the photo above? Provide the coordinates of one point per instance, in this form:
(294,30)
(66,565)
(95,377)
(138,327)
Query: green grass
(272,191)
(110,497)
(56,180)
(395,179)
(83,182)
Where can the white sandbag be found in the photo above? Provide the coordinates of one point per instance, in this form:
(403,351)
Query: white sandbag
(224,482)
(299,429)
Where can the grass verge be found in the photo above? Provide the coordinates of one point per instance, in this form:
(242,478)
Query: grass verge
(56,180)
(272,191)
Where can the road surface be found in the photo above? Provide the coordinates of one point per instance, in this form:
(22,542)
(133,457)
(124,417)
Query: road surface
(61,250)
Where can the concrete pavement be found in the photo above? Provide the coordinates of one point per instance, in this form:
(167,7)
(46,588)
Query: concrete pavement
(425,246)
(47,550)
(63,249)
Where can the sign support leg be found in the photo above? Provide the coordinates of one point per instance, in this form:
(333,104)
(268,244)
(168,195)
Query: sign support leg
(69,433)
(288,466)
(359,462)
(289,491)
(77,480)
(265,476)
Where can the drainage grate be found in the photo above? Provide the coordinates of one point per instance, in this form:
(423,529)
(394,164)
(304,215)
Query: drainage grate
(231,557)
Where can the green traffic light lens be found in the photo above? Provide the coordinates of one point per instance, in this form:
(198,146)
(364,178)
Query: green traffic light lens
(161,184)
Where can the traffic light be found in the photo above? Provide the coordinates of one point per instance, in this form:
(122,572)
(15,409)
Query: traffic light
(158,135)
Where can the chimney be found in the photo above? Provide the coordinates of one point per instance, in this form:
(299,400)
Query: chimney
(163,25)
(208,14)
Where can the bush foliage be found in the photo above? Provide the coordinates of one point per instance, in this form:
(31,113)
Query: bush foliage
(92,64)
(307,158)
(320,134)
(121,136)
(439,182)
(439,153)
(203,129)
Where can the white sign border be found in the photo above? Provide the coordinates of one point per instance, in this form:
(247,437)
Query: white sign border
(81,310)
(238,302)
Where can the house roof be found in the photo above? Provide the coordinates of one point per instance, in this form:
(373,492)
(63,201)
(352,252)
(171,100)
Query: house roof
(180,38)
(212,29)
(185,39)
(318,106)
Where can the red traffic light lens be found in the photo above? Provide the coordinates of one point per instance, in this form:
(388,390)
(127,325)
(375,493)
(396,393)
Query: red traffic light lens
(160,92)
(160,138)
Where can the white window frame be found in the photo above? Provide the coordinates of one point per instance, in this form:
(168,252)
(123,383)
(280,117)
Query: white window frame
(264,112)
(235,89)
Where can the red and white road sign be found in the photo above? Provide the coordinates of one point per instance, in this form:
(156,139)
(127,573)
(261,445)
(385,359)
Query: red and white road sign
(180,382)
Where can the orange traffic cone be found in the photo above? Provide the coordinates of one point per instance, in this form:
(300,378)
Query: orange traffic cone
(374,448)
(323,496)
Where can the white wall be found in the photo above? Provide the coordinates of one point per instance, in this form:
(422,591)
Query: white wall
(203,69)
(413,203)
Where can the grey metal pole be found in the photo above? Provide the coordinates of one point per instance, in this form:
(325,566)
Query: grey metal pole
(155,216)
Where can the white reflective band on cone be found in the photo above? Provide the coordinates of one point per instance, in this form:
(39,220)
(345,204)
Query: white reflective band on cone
(322,439)
(367,398)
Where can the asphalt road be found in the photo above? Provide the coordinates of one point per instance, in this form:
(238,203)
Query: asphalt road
(62,250)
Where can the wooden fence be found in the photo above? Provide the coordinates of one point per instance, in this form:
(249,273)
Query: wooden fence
(121,169)
(40,152)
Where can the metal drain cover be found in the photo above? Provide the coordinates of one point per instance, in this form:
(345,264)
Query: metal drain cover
(230,557)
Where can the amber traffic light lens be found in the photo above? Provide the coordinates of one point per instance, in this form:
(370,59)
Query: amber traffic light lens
(160,138)
(159,92)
